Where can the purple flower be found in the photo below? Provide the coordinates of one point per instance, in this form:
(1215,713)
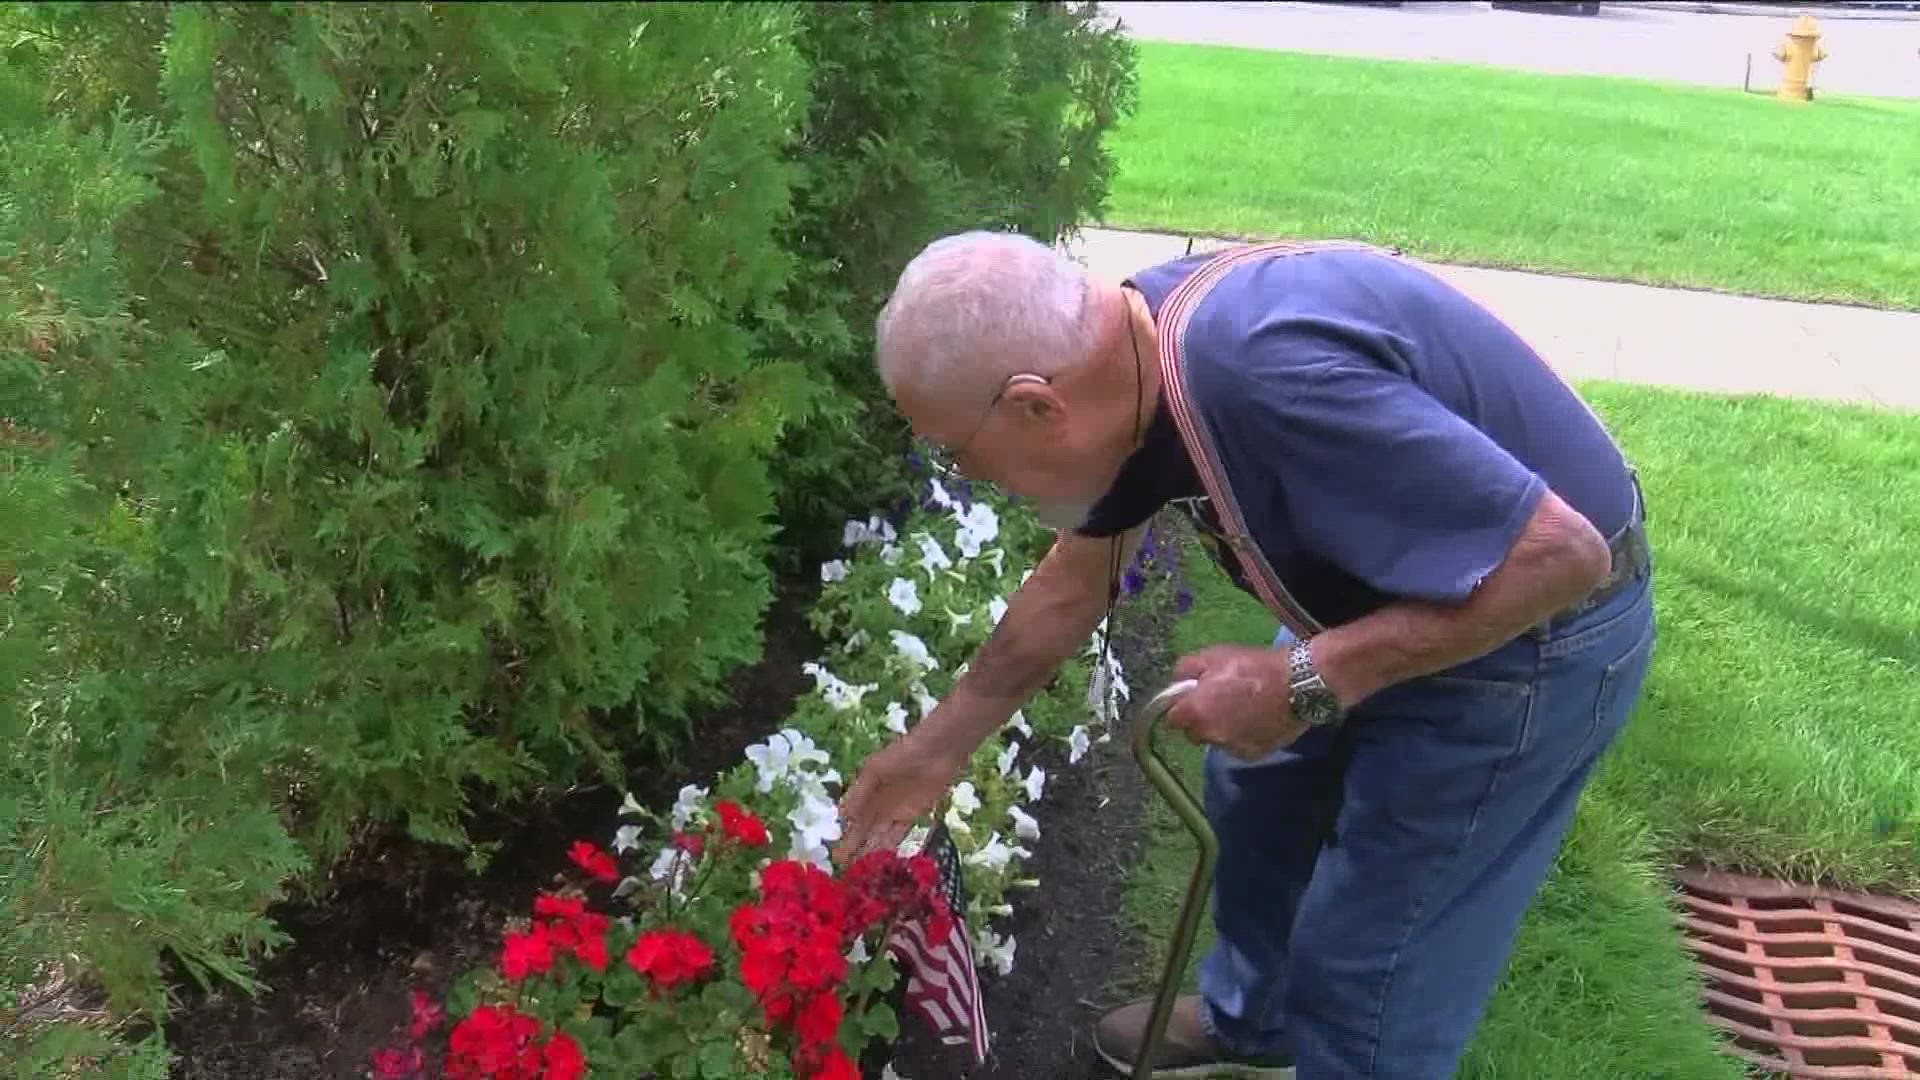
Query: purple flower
(1183,603)
(1132,582)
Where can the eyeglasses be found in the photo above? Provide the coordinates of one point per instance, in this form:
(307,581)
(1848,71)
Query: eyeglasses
(945,462)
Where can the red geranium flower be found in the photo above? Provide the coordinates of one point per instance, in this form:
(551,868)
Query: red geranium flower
(563,1058)
(493,1041)
(819,1019)
(691,843)
(591,949)
(527,954)
(837,1067)
(427,1015)
(670,957)
(740,824)
(598,864)
(391,1064)
(554,906)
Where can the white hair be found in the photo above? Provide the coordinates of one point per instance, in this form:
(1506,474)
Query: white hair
(973,308)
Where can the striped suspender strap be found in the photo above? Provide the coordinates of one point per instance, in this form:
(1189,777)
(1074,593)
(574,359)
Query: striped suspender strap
(1174,316)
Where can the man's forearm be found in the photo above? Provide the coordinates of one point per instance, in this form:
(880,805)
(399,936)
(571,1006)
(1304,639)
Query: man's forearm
(1558,560)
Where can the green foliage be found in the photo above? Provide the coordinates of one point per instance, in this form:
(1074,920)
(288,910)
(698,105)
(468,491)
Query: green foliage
(399,404)
(926,119)
(382,390)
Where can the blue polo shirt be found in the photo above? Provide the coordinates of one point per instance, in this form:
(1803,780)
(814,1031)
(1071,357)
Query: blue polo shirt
(1387,437)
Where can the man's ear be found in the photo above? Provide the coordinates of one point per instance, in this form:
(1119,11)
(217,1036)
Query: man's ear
(1036,401)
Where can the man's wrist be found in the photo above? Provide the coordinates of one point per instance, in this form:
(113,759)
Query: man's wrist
(1350,673)
(1311,699)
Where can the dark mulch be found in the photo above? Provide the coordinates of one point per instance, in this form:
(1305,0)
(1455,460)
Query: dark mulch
(399,915)
(1075,955)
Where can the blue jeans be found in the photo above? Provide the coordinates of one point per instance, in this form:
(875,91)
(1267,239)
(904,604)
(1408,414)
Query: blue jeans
(1372,952)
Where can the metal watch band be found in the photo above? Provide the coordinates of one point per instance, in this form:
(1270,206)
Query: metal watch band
(1313,703)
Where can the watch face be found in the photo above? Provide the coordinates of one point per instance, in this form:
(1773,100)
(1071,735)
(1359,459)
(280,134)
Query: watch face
(1316,706)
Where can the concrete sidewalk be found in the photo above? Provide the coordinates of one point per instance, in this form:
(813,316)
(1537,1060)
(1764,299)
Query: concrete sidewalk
(1660,337)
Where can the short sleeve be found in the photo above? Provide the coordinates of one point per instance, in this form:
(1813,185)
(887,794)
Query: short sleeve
(1377,477)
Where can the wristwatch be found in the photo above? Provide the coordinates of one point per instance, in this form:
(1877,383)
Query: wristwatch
(1313,703)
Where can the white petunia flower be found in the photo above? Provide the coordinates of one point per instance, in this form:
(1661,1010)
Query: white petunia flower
(964,798)
(896,718)
(630,808)
(783,753)
(1036,782)
(957,621)
(933,557)
(979,526)
(858,954)
(858,641)
(957,824)
(994,557)
(1106,690)
(890,554)
(674,867)
(855,533)
(839,694)
(833,571)
(1024,826)
(814,785)
(843,695)
(995,950)
(914,650)
(887,1073)
(1019,723)
(688,803)
(816,823)
(1007,757)
(904,595)
(1078,744)
(996,610)
(911,844)
(880,529)
(626,838)
(937,495)
(926,701)
(996,855)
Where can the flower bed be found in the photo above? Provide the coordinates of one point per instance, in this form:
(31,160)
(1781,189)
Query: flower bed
(736,947)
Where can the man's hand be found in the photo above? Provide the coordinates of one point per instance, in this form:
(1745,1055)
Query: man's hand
(1241,702)
(897,786)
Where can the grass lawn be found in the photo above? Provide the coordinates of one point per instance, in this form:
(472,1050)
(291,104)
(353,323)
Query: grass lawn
(1778,731)
(1601,177)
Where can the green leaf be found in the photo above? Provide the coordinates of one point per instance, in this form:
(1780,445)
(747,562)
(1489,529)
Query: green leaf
(880,1022)
(717,1059)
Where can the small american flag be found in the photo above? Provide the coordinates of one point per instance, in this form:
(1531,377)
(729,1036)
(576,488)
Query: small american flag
(942,984)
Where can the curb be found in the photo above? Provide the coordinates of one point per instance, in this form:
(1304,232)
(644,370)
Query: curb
(1781,11)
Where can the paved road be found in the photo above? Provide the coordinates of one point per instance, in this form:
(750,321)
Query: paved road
(1659,337)
(1866,56)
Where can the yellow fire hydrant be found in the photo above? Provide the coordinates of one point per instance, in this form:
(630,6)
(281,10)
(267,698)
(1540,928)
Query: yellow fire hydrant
(1799,52)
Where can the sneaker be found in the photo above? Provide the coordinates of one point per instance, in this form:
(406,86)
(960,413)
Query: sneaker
(1187,1051)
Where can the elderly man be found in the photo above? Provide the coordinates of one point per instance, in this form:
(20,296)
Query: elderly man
(1448,537)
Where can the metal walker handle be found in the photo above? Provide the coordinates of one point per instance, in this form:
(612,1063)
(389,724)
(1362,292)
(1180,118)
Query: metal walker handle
(1193,815)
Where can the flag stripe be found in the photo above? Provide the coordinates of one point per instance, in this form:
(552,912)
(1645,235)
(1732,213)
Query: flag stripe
(943,984)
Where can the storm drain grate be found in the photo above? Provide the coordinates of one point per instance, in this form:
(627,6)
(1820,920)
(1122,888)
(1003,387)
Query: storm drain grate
(1805,981)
